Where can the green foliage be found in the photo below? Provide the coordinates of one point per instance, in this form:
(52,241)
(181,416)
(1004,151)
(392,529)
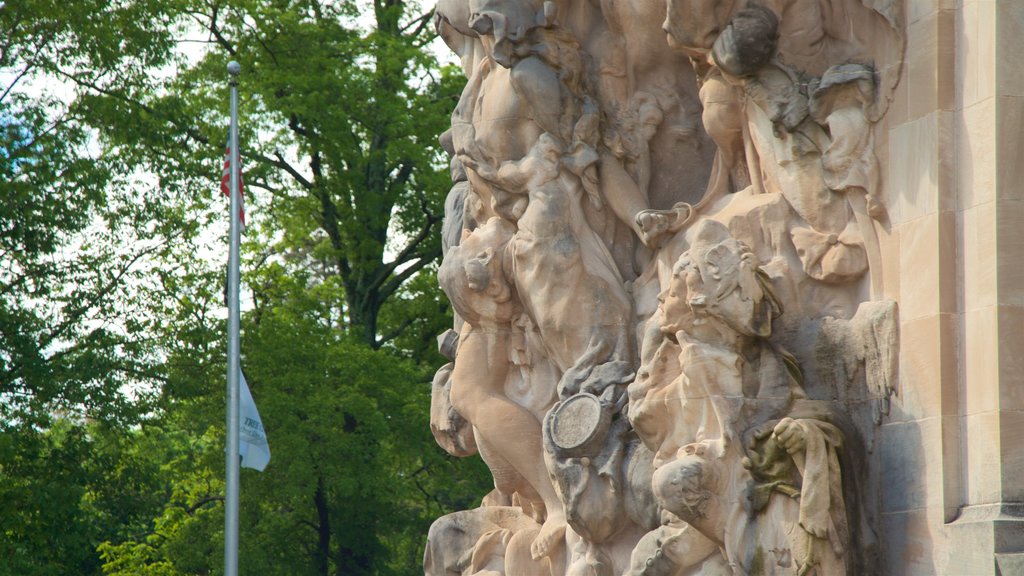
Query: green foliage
(340,115)
(112,342)
(74,244)
(41,481)
(354,478)
(74,486)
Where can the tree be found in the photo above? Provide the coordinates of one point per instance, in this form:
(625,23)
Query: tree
(73,243)
(354,479)
(339,132)
(75,485)
(341,109)
(72,240)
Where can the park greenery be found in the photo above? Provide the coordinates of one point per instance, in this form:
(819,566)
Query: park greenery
(113,123)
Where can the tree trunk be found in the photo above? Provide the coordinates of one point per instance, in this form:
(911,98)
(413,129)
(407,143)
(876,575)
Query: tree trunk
(323,548)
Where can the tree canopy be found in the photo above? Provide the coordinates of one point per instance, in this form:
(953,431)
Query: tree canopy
(112,251)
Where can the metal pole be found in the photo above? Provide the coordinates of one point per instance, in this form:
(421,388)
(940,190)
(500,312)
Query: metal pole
(232,483)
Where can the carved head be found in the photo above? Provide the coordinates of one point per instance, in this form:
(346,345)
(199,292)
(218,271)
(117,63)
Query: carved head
(451,22)
(684,486)
(549,147)
(748,42)
(506,22)
(693,25)
(452,15)
(843,86)
(473,276)
(717,282)
(482,261)
(457,170)
(652,556)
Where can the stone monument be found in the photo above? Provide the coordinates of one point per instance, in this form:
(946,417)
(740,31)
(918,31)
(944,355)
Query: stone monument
(737,287)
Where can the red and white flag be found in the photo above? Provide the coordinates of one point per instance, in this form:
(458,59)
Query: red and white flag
(225,181)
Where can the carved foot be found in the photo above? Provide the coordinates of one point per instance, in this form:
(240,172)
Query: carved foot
(656,225)
(551,536)
(694,449)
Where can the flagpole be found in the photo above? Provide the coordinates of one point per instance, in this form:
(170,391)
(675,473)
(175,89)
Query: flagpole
(232,483)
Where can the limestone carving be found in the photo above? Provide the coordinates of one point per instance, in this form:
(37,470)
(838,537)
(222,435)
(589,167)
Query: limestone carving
(663,246)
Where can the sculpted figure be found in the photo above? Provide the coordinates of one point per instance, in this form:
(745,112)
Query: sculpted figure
(451,21)
(716,312)
(653,152)
(675,549)
(766,59)
(842,101)
(474,275)
(537,173)
(484,541)
(545,96)
(813,34)
(457,215)
(568,282)
(732,428)
(825,176)
(587,213)
(603,476)
(451,431)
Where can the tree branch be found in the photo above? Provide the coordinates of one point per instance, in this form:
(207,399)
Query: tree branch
(11,35)
(15,81)
(76,314)
(296,127)
(190,132)
(406,255)
(421,22)
(215,30)
(391,335)
(202,502)
(402,178)
(284,165)
(397,280)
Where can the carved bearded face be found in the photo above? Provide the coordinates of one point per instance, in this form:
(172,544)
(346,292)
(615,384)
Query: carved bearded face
(715,290)
(693,25)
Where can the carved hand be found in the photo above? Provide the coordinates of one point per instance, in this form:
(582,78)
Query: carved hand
(790,435)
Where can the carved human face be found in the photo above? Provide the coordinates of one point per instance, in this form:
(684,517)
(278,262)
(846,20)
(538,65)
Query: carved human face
(716,292)
(730,290)
(678,313)
(693,25)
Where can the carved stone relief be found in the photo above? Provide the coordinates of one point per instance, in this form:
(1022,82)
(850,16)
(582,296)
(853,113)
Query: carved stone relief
(662,247)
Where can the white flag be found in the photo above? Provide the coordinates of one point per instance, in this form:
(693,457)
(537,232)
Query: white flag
(252,442)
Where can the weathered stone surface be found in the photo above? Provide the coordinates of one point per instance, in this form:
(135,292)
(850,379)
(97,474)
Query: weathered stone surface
(683,240)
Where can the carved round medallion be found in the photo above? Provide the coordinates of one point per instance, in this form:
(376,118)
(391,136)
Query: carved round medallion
(578,425)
